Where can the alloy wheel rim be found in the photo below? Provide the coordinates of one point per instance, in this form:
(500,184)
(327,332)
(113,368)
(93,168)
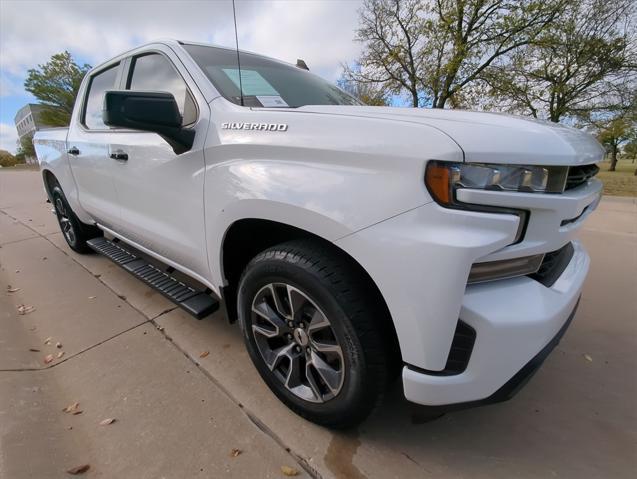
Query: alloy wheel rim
(297,342)
(65,221)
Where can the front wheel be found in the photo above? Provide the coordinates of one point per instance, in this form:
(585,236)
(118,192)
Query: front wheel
(311,326)
(75,232)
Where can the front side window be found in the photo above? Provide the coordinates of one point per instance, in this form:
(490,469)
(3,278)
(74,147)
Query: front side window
(265,82)
(102,81)
(154,72)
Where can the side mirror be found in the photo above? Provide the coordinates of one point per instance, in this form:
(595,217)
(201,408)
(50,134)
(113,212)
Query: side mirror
(148,111)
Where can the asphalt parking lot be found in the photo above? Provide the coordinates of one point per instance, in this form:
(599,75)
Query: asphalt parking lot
(187,401)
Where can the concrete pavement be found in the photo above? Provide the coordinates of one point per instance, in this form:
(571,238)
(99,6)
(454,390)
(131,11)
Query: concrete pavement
(129,354)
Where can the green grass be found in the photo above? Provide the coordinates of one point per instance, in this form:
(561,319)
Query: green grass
(622,181)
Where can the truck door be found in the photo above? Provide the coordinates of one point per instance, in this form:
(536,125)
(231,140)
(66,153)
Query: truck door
(160,193)
(87,143)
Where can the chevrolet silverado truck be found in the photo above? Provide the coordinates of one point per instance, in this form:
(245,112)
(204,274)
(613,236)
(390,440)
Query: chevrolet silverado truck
(353,244)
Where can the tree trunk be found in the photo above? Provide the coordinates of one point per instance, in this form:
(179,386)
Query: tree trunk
(613,158)
(414,98)
(442,100)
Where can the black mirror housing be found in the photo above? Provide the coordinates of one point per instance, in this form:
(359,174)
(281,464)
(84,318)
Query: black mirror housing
(148,111)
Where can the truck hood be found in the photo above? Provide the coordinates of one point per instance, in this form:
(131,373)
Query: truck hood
(490,137)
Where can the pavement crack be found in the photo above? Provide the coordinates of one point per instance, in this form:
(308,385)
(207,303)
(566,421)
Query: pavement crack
(79,353)
(165,311)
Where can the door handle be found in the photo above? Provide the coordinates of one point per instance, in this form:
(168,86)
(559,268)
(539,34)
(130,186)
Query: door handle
(74,151)
(119,155)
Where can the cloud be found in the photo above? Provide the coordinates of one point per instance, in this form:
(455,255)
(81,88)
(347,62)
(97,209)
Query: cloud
(8,137)
(320,32)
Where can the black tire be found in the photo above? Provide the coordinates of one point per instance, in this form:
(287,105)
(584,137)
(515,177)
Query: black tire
(339,292)
(74,231)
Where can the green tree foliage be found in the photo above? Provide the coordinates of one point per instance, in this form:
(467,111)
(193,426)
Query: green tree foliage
(630,150)
(581,65)
(26,148)
(7,159)
(433,50)
(55,84)
(614,133)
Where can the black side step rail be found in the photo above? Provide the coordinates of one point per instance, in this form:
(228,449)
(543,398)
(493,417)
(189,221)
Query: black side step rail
(198,303)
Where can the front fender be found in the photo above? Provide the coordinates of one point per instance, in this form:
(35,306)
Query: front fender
(329,201)
(329,175)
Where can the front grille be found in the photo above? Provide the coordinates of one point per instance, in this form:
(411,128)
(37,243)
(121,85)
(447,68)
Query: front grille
(578,175)
(553,265)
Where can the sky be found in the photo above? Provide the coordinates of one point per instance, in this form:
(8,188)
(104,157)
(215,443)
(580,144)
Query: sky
(319,31)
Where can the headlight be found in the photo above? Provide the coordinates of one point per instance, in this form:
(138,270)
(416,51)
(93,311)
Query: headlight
(443,178)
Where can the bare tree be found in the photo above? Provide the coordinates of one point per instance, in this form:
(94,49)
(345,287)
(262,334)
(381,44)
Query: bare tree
(580,66)
(370,94)
(433,49)
(392,34)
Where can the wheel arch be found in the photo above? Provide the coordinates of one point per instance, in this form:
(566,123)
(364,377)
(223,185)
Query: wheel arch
(247,237)
(49,181)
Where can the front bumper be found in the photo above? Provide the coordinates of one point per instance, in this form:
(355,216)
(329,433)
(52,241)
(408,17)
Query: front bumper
(420,261)
(518,321)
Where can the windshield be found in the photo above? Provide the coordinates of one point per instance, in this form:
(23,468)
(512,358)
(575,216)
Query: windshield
(265,82)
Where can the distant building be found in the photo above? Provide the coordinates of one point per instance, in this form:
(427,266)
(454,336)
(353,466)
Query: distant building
(28,121)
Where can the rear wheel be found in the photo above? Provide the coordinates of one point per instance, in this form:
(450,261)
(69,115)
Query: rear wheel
(74,231)
(311,327)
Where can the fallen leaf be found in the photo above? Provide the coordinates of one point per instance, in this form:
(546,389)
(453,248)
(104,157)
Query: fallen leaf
(92,297)
(48,340)
(106,422)
(204,354)
(48,358)
(289,471)
(588,358)
(72,407)
(25,309)
(34,350)
(17,270)
(235,452)
(70,428)
(58,345)
(12,290)
(75,413)
(60,354)
(79,469)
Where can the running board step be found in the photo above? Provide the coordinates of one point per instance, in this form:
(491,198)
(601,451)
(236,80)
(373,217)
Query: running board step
(195,302)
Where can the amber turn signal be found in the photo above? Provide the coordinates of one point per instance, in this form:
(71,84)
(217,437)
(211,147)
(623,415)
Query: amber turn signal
(437,179)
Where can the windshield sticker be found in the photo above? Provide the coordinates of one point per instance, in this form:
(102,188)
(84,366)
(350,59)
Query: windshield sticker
(252,82)
(272,101)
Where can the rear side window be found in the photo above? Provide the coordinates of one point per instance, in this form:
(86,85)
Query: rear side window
(104,80)
(154,72)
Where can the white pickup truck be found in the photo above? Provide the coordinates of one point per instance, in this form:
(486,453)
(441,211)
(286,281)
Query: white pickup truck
(352,243)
